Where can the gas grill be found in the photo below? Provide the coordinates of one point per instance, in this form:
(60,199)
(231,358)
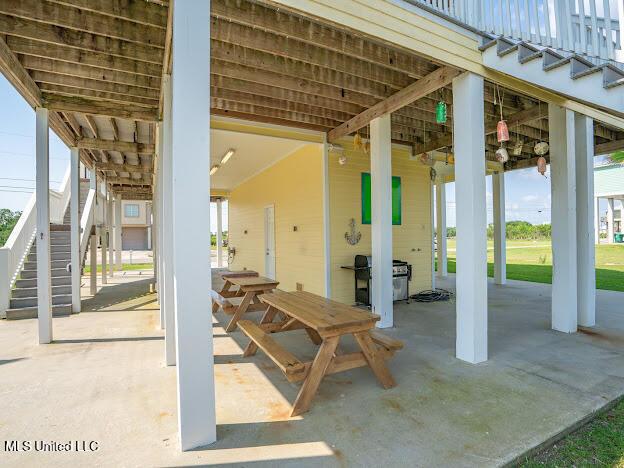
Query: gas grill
(401,275)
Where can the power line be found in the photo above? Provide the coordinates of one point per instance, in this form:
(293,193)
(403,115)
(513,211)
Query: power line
(27,180)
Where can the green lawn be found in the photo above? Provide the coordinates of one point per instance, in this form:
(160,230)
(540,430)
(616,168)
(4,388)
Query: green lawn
(124,267)
(532,261)
(599,443)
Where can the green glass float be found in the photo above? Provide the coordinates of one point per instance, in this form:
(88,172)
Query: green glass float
(441,112)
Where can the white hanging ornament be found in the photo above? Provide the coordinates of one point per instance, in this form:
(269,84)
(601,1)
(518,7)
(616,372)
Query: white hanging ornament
(342,160)
(541,165)
(502,155)
(541,148)
(517,149)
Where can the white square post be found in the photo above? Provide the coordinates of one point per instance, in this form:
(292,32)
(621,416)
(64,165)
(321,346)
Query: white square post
(441,228)
(103,236)
(563,201)
(191,222)
(94,237)
(44,281)
(381,212)
(500,228)
(167,252)
(74,209)
(111,236)
(597,220)
(610,220)
(586,248)
(219,233)
(469,146)
(117,231)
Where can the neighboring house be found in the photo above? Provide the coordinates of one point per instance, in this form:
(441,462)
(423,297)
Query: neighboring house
(609,184)
(136,222)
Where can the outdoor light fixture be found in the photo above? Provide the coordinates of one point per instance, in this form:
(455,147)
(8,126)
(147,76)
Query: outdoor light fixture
(214,169)
(226,157)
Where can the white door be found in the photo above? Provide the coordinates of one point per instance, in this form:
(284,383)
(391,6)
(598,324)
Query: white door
(269,241)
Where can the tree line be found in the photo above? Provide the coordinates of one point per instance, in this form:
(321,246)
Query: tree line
(517,230)
(8,219)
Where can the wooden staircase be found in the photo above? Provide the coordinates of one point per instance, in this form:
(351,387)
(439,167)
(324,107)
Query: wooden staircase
(23,302)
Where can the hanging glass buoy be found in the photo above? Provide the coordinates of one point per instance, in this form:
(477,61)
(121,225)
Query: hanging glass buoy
(441,112)
(541,148)
(502,132)
(502,155)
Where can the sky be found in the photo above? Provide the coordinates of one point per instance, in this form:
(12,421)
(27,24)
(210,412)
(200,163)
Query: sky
(17,154)
(527,192)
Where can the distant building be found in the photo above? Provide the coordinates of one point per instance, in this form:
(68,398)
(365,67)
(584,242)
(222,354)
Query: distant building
(609,184)
(136,225)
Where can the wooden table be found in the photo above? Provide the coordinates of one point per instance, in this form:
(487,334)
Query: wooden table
(325,321)
(249,287)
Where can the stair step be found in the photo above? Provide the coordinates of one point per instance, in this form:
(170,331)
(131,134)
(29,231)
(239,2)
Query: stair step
(54,248)
(25,302)
(32,291)
(55,264)
(32,282)
(32,257)
(31,312)
(59,227)
(56,272)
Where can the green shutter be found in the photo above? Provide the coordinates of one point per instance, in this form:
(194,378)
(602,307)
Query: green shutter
(366,199)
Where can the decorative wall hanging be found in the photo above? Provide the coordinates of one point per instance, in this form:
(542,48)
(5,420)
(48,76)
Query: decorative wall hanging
(367,147)
(342,160)
(352,236)
(541,148)
(357,142)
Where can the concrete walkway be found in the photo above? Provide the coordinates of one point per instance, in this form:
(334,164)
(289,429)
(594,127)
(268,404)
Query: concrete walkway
(104,380)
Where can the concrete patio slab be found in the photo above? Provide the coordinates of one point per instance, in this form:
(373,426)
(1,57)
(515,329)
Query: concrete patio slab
(104,380)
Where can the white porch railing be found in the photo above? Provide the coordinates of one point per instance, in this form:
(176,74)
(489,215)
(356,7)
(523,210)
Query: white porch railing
(589,27)
(86,222)
(15,251)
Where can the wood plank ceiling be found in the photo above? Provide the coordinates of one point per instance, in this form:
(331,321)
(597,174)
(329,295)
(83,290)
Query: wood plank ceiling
(98,65)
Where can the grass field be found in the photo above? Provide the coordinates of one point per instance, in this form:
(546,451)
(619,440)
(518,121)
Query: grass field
(124,267)
(532,261)
(599,443)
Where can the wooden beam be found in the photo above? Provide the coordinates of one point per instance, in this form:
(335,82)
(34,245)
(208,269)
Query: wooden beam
(87,72)
(609,147)
(35,48)
(73,123)
(113,123)
(86,106)
(125,92)
(92,126)
(426,85)
(145,12)
(130,168)
(119,146)
(126,181)
(82,40)
(166,70)
(83,20)
(114,98)
(18,76)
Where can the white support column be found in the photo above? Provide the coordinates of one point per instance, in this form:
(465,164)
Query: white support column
(381,228)
(94,238)
(110,240)
(326,227)
(432,210)
(167,302)
(104,237)
(117,231)
(597,220)
(74,209)
(586,249)
(219,233)
(500,228)
(563,202)
(471,305)
(44,280)
(191,181)
(158,259)
(441,228)
(610,220)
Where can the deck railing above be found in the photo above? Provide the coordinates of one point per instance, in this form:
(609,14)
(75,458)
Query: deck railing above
(589,27)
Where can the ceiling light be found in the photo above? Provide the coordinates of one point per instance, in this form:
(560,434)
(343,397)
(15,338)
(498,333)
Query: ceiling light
(227,156)
(214,169)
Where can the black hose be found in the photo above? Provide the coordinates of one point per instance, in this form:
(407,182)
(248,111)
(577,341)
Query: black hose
(432,295)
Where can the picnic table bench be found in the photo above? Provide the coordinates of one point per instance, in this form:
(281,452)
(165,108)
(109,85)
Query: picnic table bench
(325,322)
(250,286)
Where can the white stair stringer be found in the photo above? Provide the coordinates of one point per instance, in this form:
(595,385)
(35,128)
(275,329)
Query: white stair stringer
(570,75)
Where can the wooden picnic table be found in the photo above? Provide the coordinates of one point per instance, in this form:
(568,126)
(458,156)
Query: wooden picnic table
(325,322)
(250,286)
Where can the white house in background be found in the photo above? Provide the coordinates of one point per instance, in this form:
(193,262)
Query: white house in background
(136,225)
(609,184)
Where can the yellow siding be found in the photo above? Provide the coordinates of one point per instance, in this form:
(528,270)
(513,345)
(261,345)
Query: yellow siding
(411,240)
(294,186)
